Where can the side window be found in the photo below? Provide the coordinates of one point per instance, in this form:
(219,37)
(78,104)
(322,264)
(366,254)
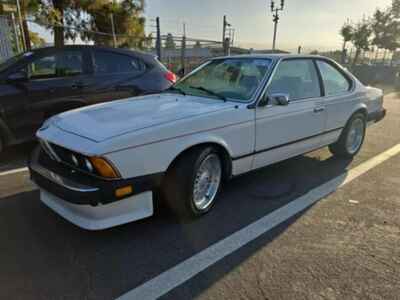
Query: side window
(62,64)
(334,81)
(44,67)
(108,63)
(296,77)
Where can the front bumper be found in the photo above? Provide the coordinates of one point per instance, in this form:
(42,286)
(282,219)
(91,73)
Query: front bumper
(103,216)
(78,187)
(89,201)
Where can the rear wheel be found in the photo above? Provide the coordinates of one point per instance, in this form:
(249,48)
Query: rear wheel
(352,137)
(192,184)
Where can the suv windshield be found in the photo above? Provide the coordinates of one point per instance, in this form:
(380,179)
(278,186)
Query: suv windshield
(232,78)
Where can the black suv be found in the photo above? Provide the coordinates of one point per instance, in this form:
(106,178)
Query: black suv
(38,84)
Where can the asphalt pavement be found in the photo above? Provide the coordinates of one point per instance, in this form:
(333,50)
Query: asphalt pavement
(345,246)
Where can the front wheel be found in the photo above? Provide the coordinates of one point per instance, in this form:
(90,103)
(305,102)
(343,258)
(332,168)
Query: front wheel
(192,184)
(352,137)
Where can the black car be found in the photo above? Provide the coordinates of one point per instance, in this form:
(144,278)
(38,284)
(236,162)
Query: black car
(44,82)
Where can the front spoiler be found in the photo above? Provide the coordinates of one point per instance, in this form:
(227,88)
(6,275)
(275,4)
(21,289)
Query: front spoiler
(102,216)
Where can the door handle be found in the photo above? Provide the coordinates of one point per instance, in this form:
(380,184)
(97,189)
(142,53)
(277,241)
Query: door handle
(319,109)
(78,85)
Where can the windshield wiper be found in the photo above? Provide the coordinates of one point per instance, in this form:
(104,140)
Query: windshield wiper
(173,88)
(201,88)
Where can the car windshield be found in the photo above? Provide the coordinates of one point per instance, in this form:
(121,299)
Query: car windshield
(232,78)
(12,60)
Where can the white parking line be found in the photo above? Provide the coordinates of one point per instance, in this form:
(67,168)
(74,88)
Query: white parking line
(182,272)
(14,171)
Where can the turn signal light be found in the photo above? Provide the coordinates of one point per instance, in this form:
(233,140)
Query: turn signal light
(103,167)
(124,191)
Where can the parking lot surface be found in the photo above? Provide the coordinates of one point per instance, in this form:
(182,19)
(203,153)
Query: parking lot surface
(345,246)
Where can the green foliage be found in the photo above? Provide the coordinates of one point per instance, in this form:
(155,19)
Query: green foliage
(36,40)
(70,19)
(347,32)
(128,20)
(197,45)
(169,42)
(386,30)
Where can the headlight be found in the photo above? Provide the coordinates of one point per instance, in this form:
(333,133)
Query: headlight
(104,168)
(89,165)
(74,160)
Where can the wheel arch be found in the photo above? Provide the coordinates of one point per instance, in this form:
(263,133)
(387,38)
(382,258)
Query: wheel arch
(222,150)
(361,108)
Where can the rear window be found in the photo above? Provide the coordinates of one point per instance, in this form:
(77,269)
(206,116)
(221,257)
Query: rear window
(109,63)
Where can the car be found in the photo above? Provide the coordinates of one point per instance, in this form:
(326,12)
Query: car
(41,83)
(104,165)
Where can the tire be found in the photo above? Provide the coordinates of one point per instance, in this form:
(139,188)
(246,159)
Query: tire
(343,147)
(179,187)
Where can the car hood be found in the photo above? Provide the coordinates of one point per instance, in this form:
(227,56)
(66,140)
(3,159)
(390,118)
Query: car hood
(104,121)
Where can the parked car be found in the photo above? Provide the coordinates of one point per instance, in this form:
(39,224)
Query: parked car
(44,82)
(99,166)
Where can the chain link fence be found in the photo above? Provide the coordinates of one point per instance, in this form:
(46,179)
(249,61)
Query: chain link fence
(6,38)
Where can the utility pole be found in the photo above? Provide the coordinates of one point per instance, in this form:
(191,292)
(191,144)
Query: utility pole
(225,26)
(113,30)
(15,33)
(225,40)
(24,47)
(158,41)
(183,50)
(275,14)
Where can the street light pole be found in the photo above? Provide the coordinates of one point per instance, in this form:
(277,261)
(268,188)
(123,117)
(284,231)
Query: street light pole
(275,14)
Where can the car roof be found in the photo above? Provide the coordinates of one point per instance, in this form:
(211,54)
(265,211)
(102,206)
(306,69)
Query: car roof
(275,57)
(116,50)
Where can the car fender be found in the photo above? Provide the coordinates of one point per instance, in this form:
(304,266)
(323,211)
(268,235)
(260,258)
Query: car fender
(361,106)
(162,154)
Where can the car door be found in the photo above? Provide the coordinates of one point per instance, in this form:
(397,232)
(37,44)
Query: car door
(339,101)
(283,131)
(53,85)
(114,76)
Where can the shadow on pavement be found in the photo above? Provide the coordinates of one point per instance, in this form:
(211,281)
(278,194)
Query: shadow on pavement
(42,248)
(15,156)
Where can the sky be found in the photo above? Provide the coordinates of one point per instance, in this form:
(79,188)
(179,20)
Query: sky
(313,24)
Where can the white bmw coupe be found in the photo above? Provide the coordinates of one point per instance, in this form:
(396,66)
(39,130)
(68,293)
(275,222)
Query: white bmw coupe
(100,166)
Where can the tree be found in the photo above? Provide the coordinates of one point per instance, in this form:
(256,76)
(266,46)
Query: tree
(396,8)
(197,45)
(386,30)
(36,40)
(128,22)
(169,42)
(347,33)
(63,17)
(361,38)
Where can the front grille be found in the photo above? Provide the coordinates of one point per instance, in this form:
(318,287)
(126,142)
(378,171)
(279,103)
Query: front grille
(68,157)
(49,150)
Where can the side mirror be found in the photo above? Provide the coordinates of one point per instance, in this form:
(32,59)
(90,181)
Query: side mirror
(280,99)
(20,76)
(181,72)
